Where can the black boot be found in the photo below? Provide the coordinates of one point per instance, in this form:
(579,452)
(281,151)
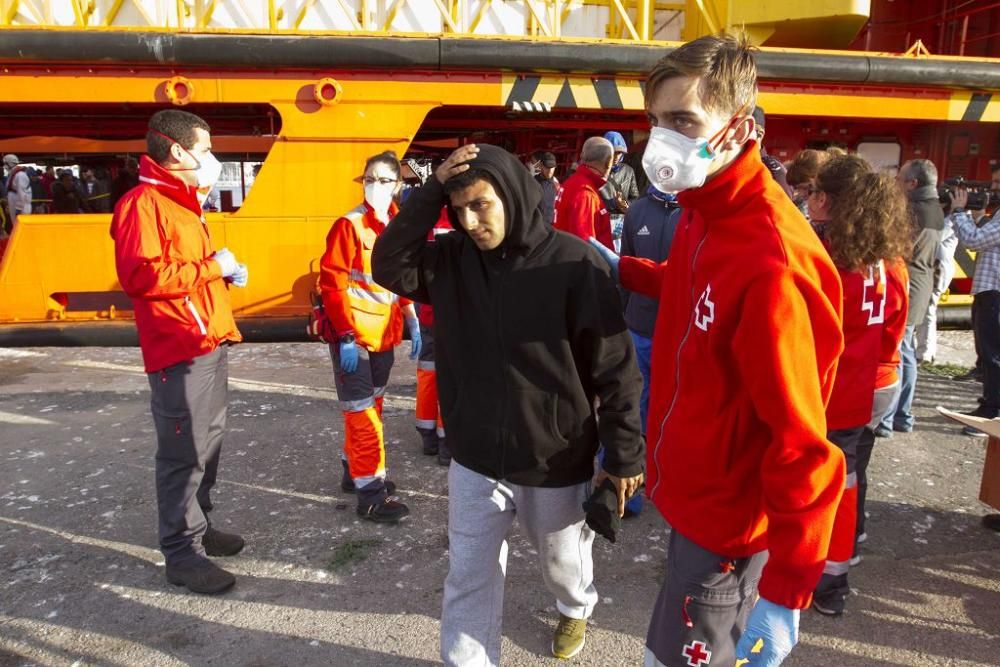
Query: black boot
(200,577)
(375,504)
(346,482)
(218,543)
(430,440)
(444,454)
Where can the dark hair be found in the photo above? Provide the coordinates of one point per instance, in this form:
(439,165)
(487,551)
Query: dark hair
(178,125)
(869,219)
(467,178)
(724,63)
(389,159)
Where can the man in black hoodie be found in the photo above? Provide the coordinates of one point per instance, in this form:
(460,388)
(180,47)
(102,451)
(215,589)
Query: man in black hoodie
(531,339)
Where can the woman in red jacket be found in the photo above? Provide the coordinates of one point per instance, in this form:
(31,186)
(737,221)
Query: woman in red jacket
(861,217)
(368,321)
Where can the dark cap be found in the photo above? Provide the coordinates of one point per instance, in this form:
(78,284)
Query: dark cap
(759,117)
(547,159)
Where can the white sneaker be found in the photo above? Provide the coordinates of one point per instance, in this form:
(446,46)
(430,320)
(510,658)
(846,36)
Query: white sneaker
(863,537)
(855,560)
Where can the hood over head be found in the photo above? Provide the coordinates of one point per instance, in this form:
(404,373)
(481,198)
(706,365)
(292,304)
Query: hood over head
(520,194)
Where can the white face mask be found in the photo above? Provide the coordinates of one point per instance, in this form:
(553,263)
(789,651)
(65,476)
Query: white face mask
(208,172)
(379,197)
(675,162)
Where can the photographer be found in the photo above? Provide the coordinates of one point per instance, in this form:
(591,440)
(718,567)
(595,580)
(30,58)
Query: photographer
(985,241)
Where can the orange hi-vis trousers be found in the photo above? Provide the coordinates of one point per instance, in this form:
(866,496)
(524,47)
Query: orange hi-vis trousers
(842,541)
(428,415)
(361,395)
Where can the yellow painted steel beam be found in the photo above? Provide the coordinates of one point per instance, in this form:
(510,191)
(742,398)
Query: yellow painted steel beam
(113,12)
(480,14)
(539,21)
(306,6)
(625,19)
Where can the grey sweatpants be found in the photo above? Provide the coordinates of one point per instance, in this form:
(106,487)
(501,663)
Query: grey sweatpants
(480,514)
(189,412)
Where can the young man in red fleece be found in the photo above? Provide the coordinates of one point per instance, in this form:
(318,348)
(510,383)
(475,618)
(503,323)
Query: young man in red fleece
(744,357)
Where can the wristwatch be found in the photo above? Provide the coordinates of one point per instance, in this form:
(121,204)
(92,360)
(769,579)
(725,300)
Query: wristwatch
(346,338)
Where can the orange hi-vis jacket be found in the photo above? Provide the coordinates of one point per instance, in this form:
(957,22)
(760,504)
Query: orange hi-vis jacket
(744,359)
(352,300)
(164,260)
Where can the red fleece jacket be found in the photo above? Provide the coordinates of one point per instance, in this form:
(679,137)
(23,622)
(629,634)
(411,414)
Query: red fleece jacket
(744,359)
(579,209)
(865,302)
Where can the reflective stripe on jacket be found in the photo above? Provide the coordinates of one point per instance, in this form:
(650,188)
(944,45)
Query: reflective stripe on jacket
(352,300)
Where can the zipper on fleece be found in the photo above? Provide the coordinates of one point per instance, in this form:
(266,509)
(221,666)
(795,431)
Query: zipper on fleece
(197,317)
(677,369)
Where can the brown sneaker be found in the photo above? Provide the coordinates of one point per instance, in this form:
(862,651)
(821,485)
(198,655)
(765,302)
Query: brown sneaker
(218,543)
(570,636)
(201,577)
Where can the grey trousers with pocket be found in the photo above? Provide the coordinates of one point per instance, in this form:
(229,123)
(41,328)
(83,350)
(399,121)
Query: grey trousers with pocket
(189,412)
(702,609)
(480,514)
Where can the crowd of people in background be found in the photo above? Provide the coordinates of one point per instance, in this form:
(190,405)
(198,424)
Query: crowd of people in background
(36,189)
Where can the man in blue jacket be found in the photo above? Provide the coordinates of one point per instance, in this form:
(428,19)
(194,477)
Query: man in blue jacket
(649,230)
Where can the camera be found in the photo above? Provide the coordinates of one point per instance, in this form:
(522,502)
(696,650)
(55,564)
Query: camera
(980,195)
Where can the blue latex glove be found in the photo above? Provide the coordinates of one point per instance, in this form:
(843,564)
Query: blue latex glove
(609,256)
(241,276)
(416,342)
(772,631)
(227,262)
(349,357)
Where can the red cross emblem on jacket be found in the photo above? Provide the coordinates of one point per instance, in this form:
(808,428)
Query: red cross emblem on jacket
(704,311)
(697,654)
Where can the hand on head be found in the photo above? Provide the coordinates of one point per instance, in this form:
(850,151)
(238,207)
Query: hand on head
(456,163)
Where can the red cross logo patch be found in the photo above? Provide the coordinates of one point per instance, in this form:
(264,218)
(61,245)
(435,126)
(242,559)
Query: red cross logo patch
(697,654)
(704,310)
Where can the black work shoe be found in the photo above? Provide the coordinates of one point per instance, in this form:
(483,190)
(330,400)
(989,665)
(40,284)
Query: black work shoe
(346,482)
(430,441)
(831,594)
(992,521)
(201,577)
(444,454)
(389,510)
(972,376)
(218,543)
(831,606)
(984,412)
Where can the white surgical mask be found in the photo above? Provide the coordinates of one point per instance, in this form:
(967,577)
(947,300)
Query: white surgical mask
(208,171)
(675,162)
(379,197)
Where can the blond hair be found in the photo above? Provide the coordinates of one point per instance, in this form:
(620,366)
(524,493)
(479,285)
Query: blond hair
(725,65)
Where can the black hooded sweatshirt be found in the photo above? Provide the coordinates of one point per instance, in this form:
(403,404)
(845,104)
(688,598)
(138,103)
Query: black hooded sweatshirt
(527,337)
